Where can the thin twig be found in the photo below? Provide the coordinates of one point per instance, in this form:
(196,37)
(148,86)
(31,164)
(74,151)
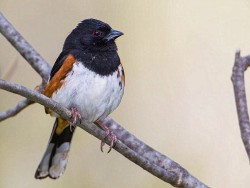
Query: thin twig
(240,65)
(165,169)
(10,71)
(15,110)
(20,105)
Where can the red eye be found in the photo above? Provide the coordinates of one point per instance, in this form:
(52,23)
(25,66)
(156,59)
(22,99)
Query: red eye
(97,33)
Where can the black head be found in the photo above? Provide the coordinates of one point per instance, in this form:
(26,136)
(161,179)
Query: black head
(93,35)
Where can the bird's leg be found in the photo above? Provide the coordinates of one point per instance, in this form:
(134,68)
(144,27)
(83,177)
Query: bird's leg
(76,116)
(108,133)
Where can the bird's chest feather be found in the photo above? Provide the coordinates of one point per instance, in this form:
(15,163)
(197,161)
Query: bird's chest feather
(94,96)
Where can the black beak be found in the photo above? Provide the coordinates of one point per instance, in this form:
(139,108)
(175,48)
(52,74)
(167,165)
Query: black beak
(113,35)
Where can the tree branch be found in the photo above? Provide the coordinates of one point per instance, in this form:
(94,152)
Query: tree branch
(240,66)
(16,109)
(180,176)
(128,145)
(20,106)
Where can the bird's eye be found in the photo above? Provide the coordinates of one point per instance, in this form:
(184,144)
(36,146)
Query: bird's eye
(97,33)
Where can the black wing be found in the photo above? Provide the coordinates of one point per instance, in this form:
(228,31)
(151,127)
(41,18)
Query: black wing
(58,63)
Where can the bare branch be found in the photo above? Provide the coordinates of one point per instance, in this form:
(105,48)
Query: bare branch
(138,152)
(240,65)
(15,110)
(128,145)
(181,177)
(24,48)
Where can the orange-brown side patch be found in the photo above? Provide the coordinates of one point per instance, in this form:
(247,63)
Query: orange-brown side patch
(56,82)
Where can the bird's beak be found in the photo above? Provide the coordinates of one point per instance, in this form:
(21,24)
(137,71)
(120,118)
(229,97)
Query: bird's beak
(113,35)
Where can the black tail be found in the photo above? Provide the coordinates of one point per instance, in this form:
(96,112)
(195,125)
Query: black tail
(55,158)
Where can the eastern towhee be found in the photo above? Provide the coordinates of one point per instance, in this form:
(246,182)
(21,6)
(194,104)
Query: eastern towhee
(88,79)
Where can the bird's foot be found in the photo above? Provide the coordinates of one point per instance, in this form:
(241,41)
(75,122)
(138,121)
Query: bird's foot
(76,117)
(110,134)
(113,140)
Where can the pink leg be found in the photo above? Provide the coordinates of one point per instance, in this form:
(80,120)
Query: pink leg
(76,116)
(108,133)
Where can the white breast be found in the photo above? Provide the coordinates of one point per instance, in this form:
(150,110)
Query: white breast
(94,96)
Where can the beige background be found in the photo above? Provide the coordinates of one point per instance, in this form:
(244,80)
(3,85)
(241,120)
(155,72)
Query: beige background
(178,57)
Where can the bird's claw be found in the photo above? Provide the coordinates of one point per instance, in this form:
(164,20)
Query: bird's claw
(76,117)
(113,140)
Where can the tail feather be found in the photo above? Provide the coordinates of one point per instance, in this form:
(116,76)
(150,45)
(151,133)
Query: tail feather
(55,158)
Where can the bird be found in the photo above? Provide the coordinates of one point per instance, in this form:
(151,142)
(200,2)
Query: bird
(88,79)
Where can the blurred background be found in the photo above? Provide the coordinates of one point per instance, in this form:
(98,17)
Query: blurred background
(178,57)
